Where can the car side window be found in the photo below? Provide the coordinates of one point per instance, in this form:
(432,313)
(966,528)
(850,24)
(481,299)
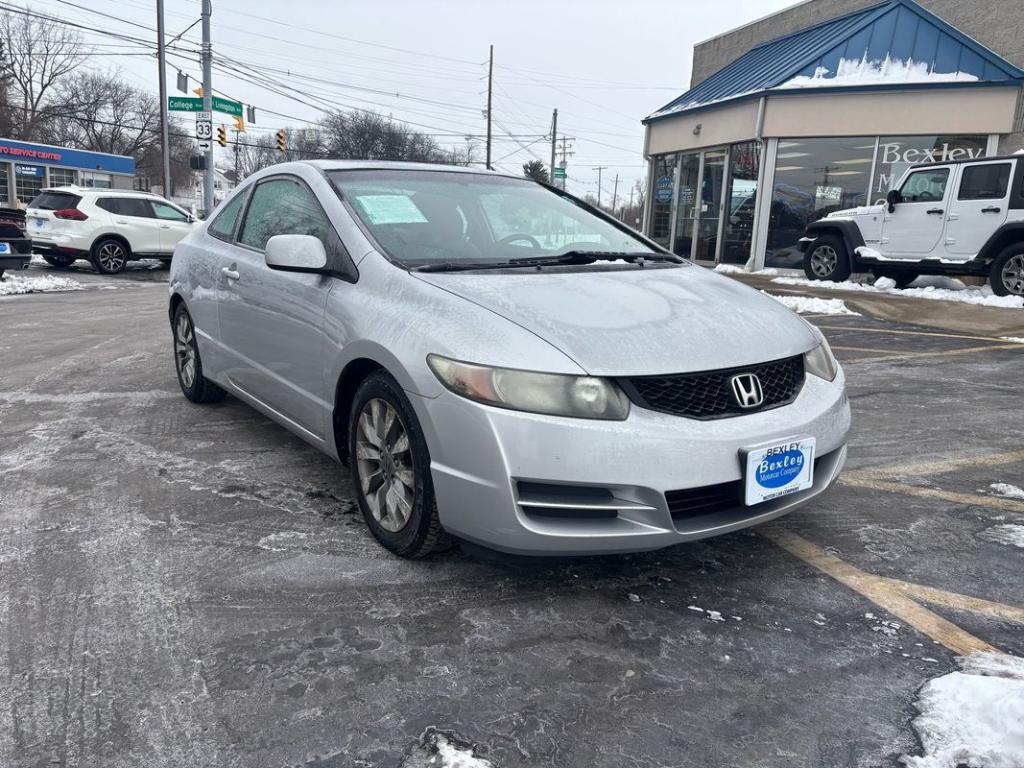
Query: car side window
(283,207)
(109,204)
(223,225)
(132,206)
(169,212)
(984,182)
(925,186)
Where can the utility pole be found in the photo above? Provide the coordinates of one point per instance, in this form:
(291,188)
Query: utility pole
(165,133)
(615,193)
(490,79)
(630,209)
(236,157)
(599,169)
(554,139)
(207,57)
(565,153)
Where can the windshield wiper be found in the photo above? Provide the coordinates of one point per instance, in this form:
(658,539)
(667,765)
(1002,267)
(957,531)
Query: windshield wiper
(589,257)
(460,266)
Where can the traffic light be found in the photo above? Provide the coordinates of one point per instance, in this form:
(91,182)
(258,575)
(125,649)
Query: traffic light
(222,135)
(282,141)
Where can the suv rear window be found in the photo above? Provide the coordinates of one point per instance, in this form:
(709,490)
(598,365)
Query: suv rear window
(54,201)
(126,206)
(984,182)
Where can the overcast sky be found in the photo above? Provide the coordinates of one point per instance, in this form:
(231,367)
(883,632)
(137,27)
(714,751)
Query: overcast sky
(604,65)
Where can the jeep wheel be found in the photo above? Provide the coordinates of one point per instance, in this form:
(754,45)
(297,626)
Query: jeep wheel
(1007,275)
(902,277)
(59,261)
(826,259)
(110,256)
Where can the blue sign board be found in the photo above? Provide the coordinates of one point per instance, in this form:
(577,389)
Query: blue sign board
(28,170)
(663,186)
(22,151)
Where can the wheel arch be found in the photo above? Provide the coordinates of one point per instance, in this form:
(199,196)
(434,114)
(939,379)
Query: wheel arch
(111,236)
(176,301)
(1007,235)
(352,375)
(845,230)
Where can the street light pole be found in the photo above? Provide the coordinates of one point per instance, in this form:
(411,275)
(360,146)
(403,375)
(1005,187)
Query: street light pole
(165,133)
(599,169)
(207,56)
(490,78)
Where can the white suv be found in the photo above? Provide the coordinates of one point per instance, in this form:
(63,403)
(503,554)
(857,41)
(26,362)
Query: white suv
(107,226)
(960,218)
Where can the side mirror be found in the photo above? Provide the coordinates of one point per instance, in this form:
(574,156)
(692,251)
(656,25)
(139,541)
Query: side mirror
(296,253)
(892,198)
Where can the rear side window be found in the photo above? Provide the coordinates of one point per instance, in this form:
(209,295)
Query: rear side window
(925,186)
(283,207)
(54,201)
(984,182)
(165,211)
(126,206)
(223,224)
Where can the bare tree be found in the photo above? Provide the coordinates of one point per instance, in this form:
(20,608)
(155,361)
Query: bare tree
(39,53)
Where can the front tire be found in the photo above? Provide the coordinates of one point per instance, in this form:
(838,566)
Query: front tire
(1007,274)
(110,255)
(390,467)
(188,364)
(826,259)
(59,261)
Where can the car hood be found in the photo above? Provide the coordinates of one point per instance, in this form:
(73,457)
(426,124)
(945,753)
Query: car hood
(860,210)
(637,321)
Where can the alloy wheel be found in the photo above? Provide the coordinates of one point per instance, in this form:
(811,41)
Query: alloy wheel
(384,465)
(185,350)
(111,257)
(824,260)
(1013,275)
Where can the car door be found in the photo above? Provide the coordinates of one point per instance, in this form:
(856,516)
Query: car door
(272,322)
(133,218)
(913,230)
(174,224)
(979,207)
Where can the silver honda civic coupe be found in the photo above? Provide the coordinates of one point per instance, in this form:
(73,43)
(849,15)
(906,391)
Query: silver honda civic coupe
(500,362)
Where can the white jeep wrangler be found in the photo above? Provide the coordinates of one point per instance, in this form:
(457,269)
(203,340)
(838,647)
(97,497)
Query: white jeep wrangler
(951,218)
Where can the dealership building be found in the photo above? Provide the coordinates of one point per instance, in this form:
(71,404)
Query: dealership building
(26,168)
(821,107)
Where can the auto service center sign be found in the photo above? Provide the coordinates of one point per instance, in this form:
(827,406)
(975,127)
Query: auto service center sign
(11,150)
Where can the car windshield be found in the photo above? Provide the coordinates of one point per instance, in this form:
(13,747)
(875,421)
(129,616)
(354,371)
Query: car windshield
(435,218)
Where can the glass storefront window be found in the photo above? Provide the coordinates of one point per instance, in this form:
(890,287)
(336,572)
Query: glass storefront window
(710,204)
(813,177)
(689,171)
(897,153)
(28,181)
(4,186)
(663,173)
(63,177)
(744,165)
(97,180)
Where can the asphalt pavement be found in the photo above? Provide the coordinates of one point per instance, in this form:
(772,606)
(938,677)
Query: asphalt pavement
(187,585)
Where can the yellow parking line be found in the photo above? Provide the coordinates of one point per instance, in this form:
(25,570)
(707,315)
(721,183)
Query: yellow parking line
(947,465)
(960,602)
(860,480)
(869,349)
(881,592)
(942,353)
(911,333)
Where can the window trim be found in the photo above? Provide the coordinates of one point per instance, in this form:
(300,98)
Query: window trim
(949,172)
(968,166)
(243,196)
(172,206)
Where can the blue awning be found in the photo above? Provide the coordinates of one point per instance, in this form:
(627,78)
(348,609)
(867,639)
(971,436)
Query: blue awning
(897,44)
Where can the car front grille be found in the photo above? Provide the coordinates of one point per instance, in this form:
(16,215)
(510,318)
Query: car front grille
(708,394)
(704,500)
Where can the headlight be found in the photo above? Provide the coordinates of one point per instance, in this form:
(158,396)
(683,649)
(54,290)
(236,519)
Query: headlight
(584,397)
(821,362)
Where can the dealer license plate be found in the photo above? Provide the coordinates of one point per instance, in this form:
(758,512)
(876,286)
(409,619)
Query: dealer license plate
(5,247)
(779,470)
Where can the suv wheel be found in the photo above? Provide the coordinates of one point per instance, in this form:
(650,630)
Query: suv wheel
(110,256)
(390,468)
(59,261)
(188,364)
(1007,275)
(826,259)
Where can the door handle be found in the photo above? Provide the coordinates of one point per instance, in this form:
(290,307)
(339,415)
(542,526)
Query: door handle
(935,211)
(120,221)
(991,209)
(229,273)
(165,226)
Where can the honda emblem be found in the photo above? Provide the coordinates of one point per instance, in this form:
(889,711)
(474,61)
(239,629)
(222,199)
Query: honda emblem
(746,388)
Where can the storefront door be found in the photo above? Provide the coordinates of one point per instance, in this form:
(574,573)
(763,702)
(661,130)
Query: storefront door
(709,213)
(686,208)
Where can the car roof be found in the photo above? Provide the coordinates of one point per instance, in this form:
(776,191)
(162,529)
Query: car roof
(968,160)
(392,165)
(101,191)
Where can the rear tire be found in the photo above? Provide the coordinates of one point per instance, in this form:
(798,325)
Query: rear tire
(390,467)
(110,255)
(827,259)
(902,277)
(188,364)
(63,262)
(1007,274)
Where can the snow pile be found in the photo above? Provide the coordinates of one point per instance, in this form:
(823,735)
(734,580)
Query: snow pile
(887,71)
(13,285)
(812,305)
(729,268)
(1008,491)
(981,296)
(1014,339)
(438,749)
(973,717)
(1011,535)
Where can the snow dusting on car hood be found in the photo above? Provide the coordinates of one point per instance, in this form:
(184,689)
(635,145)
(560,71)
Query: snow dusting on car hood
(860,210)
(639,321)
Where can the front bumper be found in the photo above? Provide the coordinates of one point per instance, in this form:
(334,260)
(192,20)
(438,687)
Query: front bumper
(482,459)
